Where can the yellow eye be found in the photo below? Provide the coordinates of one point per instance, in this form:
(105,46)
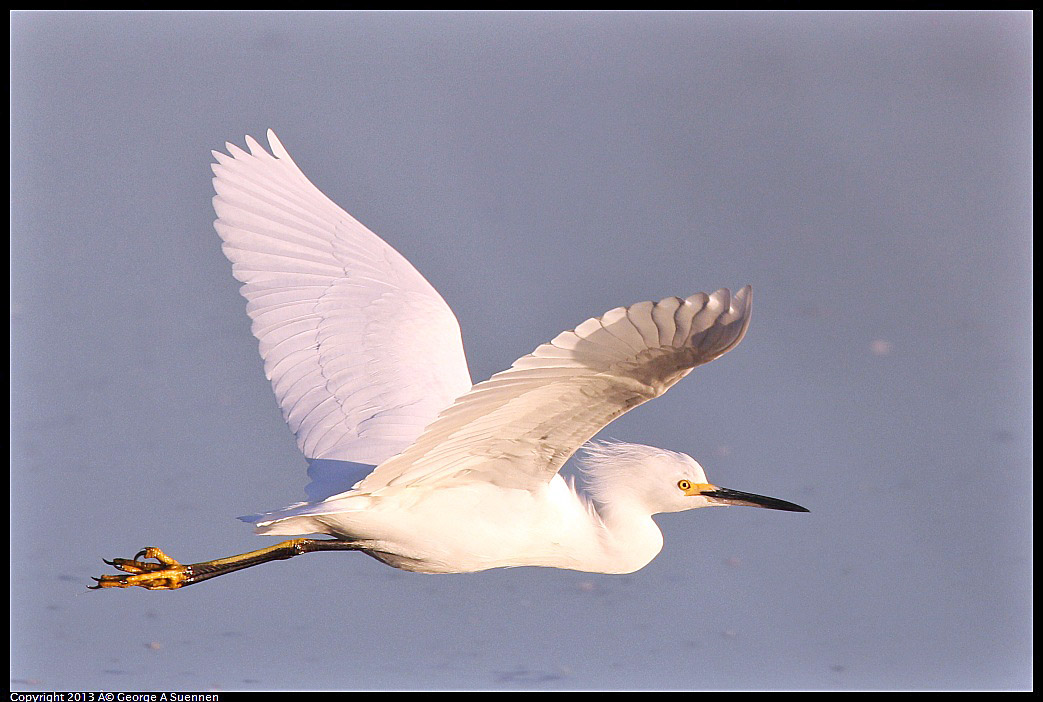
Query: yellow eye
(684,485)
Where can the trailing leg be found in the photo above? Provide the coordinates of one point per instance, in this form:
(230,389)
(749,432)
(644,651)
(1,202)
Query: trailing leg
(168,574)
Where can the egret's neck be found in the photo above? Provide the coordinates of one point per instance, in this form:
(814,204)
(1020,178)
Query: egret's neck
(629,537)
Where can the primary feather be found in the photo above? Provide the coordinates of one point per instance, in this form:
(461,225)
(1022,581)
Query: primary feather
(361,350)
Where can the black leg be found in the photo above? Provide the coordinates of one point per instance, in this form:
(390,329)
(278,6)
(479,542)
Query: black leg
(168,574)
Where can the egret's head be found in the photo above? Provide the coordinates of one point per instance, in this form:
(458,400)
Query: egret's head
(660,480)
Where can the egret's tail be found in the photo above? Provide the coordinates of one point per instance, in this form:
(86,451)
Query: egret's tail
(302,518)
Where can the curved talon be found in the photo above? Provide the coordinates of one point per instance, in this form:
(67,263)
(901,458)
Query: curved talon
(165,574)
(135,566)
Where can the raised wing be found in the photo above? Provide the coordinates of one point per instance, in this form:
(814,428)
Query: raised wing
(520,426)
(361,350)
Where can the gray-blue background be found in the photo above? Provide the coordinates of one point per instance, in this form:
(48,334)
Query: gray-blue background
(868,174)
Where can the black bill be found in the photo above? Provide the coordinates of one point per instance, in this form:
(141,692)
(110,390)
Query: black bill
(735,497)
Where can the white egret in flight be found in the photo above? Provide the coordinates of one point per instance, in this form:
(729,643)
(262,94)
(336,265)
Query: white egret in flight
(368,366)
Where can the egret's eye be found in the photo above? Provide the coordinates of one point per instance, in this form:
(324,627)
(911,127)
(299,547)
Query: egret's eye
(684,485)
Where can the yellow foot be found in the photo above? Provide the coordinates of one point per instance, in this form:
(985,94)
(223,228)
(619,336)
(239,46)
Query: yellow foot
(165,574)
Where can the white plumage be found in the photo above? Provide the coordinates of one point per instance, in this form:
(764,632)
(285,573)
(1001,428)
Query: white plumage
(367,364)
(339,314)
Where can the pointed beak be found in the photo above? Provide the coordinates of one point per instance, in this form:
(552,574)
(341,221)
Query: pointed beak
(724,496)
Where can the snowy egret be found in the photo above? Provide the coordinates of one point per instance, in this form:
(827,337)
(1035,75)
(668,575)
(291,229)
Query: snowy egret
(368,366)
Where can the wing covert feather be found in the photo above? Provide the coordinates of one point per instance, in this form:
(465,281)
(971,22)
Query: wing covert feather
(520,426)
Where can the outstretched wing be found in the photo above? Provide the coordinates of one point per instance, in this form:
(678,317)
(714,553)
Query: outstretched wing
(520,426)
(361,350)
